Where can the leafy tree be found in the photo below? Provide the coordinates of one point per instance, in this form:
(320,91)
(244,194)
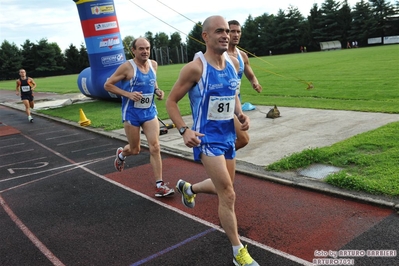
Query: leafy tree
(72,60)
(294,29)
(392,21)
(280,28)
(254,32)
(315,27)
(29,61)
(194,41)
(362,23)
(59,57)
(10,60)
(161,44)
(331,28)
(47,55)
(127,46)
(151,39)
(175,48)
(344,22)
(83,57)
(380,10)
(161,40)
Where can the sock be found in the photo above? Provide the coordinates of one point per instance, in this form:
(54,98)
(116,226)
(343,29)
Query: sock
(121,157)
(236,248)
(159,183)
(190,191)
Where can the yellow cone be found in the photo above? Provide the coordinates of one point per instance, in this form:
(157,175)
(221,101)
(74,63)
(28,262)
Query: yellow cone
(83,119)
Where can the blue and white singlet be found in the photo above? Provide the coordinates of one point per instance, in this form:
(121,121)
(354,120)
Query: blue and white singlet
(213,103)
(144,110)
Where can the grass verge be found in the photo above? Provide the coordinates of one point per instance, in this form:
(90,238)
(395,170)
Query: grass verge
(370,161)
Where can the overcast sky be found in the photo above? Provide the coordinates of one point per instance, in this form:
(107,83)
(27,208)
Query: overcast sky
(58,20)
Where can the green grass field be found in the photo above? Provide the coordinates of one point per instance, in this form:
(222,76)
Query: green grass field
(363,79)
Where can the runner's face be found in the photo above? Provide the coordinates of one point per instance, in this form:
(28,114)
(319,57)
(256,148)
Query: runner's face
(235,34)
(218,36)
(22,73)
(142,51)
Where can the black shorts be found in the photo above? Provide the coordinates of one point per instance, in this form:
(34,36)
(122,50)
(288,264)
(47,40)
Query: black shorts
(28,97)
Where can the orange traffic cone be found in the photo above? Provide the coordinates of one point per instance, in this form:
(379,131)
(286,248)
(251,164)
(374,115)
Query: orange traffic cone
(83,120)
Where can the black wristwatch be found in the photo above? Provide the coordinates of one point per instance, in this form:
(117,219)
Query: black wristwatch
(182,130)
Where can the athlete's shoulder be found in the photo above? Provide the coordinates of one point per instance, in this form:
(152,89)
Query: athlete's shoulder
(154,63)
(243,54)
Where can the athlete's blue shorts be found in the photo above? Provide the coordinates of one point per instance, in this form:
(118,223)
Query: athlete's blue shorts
(215,149)
(139,117)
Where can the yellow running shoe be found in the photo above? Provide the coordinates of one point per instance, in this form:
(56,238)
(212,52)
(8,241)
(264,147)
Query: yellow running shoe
(187,200)
(243,258)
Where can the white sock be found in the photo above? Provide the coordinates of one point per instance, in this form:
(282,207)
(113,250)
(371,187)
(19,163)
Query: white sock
(189,191)
(236,248)
(121,157)
(159,184)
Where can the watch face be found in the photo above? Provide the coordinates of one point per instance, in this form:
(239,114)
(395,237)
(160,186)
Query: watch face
(182,130)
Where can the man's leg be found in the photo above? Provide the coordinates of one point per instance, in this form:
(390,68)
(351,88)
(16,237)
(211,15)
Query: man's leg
(27,106)
(133,138)
(220,171)
(151,131)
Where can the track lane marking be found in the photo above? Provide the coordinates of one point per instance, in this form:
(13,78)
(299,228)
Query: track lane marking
(46,252)
(199,220)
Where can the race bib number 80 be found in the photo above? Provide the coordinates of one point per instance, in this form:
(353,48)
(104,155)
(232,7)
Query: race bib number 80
(221,107)
(145,102)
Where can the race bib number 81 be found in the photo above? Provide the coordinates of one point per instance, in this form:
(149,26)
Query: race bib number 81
(221,107)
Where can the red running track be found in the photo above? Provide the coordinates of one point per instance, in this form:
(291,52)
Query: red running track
(288,219)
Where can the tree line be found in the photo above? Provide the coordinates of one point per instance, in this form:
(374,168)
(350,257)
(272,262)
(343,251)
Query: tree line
(282,33)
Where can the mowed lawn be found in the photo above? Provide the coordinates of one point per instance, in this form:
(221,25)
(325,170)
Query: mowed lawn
(361,79)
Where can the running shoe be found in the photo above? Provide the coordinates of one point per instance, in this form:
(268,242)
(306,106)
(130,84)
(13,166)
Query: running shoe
(118,163)
(30,118)
(164,191)
(243,258)
(187,200)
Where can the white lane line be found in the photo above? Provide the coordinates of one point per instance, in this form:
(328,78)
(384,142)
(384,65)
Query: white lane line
(90,148)
(199,220)
(74,166)
(12,145)
(19,162)
(63,136)
(67,143)
(50,132)
(17,152)
(51,257)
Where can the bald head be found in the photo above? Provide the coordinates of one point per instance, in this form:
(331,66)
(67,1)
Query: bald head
(210,21)
(140,40)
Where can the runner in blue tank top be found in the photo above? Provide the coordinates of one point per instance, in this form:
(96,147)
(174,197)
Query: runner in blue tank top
(210,80)
(245,68)
(217,89)
(138,112)
(138,89)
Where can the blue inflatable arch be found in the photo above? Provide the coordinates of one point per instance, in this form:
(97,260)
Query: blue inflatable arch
(104,46)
